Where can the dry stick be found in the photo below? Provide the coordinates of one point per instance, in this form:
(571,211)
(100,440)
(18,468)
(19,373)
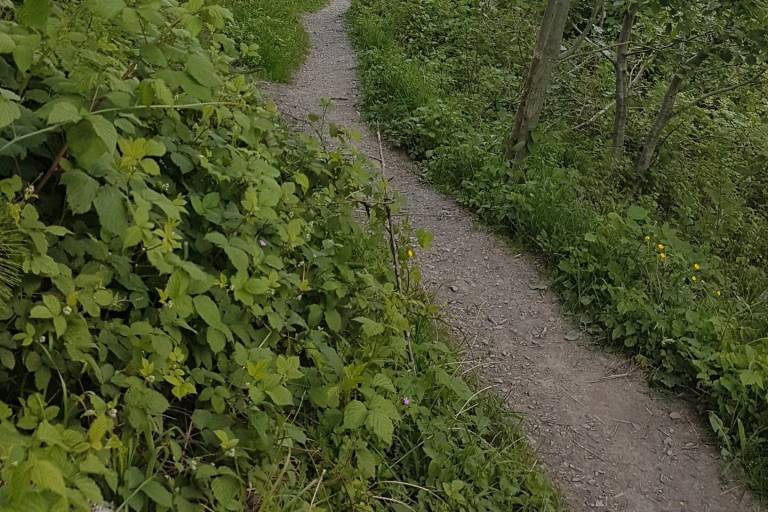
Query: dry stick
(392,239)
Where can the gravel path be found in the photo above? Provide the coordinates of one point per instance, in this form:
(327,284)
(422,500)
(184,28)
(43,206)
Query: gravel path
(608,442)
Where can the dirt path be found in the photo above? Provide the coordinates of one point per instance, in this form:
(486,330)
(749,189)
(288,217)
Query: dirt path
(608,442)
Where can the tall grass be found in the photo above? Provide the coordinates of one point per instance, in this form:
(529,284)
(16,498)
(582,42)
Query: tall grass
(274,28)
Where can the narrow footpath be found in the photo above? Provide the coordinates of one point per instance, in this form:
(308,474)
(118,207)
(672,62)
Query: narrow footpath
(607,440)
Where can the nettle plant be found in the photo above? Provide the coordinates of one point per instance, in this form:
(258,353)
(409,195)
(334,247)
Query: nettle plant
(201,323)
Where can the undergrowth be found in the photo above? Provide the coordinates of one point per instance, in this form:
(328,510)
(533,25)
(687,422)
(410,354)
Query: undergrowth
(202,323)
(274,41)
(440,77)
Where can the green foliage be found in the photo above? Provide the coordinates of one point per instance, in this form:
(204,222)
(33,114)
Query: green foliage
(202,322)
(677,276)
(271,35)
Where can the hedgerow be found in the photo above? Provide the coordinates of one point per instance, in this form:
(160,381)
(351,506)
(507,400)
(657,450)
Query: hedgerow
(201,322)
(437,76)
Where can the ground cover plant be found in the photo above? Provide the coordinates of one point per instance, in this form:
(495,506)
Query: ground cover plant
(271,34)
(192,317)
(668,262)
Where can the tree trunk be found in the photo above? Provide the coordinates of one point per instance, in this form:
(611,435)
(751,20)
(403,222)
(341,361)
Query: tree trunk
(622,88)
(545,55)
(666,112)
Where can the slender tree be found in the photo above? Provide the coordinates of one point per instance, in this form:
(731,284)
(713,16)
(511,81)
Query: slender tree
(545,56)
(622,86)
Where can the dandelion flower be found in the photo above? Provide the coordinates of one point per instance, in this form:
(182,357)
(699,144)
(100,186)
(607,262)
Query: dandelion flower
(660,247)
(409,253)
(663,256)
(696,267)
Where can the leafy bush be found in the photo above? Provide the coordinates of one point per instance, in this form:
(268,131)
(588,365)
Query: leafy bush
(688,310)
(202,324)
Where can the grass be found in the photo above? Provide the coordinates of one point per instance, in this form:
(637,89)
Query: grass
(273,28)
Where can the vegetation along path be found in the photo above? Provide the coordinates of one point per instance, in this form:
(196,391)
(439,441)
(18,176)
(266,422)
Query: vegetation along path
(605,438)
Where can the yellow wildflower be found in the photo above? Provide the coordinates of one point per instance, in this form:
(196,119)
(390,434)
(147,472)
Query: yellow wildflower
(717,293)
(662,256)
(409,253)
(696,267)
(660,247)
(647,238)
(694,278)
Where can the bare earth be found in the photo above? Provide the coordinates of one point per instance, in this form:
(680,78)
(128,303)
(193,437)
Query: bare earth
(606,439)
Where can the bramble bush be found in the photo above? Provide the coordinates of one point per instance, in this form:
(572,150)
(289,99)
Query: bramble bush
(635,280)
(201,322)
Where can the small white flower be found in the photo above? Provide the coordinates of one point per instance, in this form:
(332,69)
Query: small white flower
(112,413)
(67,310)
(42,338)
(231,452)
(151,379)
(169,304)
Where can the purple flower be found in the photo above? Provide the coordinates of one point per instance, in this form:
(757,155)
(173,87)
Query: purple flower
(262,242)
(406,401)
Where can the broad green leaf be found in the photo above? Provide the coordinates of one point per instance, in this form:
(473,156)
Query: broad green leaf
(45,475)
(370,328)
(24,53)
(34,13)
(40,312)
(635,212)
(7,44)
(64,111)
(110,205)
(226,489)
(157,493)
(280,395)
(380,424)
(208,310)
(333,319)
(9,112)
(105,131)
(201,69)
(216,340)
(107,9)
(81,190)
(355,414)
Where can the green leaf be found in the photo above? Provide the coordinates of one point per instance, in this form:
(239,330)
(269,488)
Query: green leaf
(24,53)
(103,298)
(381,425)
(64,111)
(635,212)
(47,476)
(105,131)
(81,190)
(9,112)
(201,69)
(355,414)
(34,13)
(40,312)
(7,44)
(208,310)
(110,205)
(216,340)
(107,9)
(370,328)
(157,493)
(333,319)
(280,395)
(225,489)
